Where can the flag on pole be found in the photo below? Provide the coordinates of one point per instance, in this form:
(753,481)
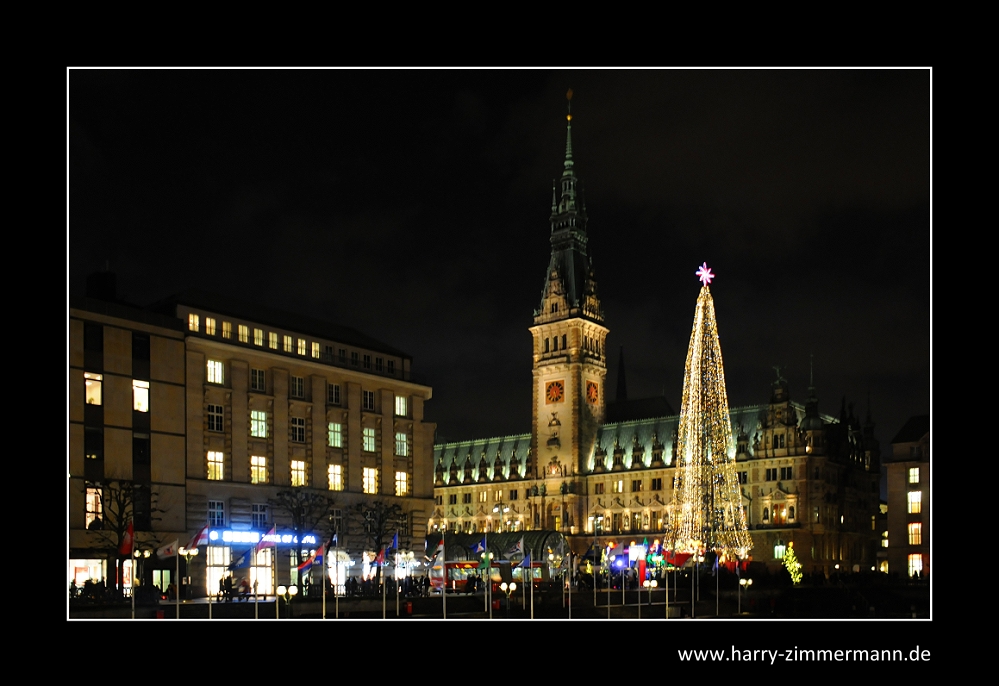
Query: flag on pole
(438,552)
(380,560)
(128,540)
(306,564)
(395,541)
(480,547)
(268,540)
(518,547)
(244,560)
(331,543)
(526,562)
(200,538)
(168,550)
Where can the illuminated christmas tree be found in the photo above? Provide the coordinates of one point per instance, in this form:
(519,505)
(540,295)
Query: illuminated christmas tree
(792,565)
(706,512)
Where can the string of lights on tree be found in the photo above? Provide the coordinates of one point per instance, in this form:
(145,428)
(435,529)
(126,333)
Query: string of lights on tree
(706,512)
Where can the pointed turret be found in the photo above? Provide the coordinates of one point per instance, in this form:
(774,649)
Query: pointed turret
(570,288)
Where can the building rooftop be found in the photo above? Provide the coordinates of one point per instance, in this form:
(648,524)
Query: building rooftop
(914,429)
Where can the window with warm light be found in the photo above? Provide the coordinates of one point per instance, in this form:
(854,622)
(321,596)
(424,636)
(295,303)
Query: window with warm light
(216,465)
(140,396)
(401,483)
(401,406)
(915,564)
(216,372)
(618,486)
(915,501)
(288,343)
(301,346)
(402,444)
(915,533)
(335,435)
(913,475)
(258,337)
(335,474)
(370,480)
(244,333)
(92,385)
(226,329)
(368,437)
(94,507)
(210,326)
(315,350)
(272,340)
(258,469)
(258,423)
(192,322)
(298,473)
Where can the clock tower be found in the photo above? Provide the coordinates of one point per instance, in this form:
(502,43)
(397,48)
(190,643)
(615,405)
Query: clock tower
(569,363)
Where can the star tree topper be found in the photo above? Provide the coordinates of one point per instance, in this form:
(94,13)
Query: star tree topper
(704,274)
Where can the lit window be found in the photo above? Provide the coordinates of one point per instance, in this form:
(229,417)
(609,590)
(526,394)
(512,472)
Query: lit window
(192,322)
(315,350)
(257,380)
(92,383)
(402,444)
(258,337)
(483,496)
(216,372)
(216,465)
(297,387)
(94,507)
(333,394)
(301,346)
(915,565)
(258,515)
(618,486)
(210,326)
(368,400)
(402,483)
(298,472)
(272,340)
(335,473)
(779,551)
(400,406)
(226,329)
(915,533)
(216,513)
(258,424)
(915,502)
(335,435)
(215,417)
(369,440)
(244,333)
(140,396)
(370,480)
(913,475)
(287,344)
(367,361)
(298,429)
(258,469)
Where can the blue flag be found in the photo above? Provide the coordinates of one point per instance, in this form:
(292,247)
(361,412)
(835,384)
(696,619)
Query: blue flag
(526,562)
(395,540)
(480,547)
(244,560)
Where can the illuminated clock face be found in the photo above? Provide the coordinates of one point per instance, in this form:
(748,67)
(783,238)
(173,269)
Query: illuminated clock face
(592,393)
(554,392)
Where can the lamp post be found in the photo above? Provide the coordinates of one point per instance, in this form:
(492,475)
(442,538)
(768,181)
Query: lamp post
(502,510)
(649,584)
(743,583)
(597,521)
(508,589)
(188,553)
(286,592)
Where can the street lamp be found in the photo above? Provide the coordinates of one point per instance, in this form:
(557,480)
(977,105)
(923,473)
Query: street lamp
(188,553)
(502,510)
(743,583)
(508,589)
(287,592)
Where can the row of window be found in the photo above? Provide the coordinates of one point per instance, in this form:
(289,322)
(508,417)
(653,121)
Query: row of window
(93,390)
(288,344)
(296,388)
(637,485)
(335,475)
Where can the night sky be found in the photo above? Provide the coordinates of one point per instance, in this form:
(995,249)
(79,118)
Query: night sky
(413,205)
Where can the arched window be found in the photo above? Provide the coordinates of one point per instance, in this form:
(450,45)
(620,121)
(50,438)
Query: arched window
(546,345)
(790,513)
(766,514)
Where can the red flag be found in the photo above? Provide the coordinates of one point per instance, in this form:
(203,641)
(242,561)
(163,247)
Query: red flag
(380,560)
(268,540)
(127,540)
(200,538)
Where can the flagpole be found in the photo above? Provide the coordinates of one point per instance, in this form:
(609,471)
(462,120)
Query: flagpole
(381,568)
(444,573)
(325,555)
(133,564)
(176,586)
(336,584)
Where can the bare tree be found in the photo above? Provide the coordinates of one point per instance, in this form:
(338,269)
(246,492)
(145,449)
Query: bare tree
(122,502)
(310,512)
(377,521)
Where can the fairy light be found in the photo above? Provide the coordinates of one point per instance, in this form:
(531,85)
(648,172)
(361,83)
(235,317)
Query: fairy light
(706,511)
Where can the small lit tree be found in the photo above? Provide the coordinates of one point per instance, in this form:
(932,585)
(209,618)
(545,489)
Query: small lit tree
(792,565)
(378,521)
(310,512)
